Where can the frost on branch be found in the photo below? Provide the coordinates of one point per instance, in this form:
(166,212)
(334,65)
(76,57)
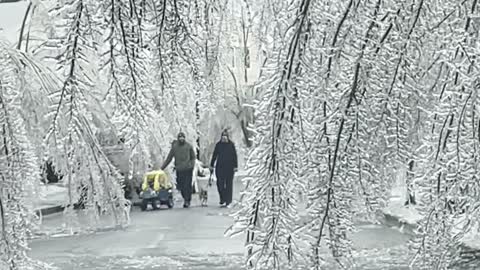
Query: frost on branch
(270,206)
(448,159)
(19,164)
(366,74)
(71,138)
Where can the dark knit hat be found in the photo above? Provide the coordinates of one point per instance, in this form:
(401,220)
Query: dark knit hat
(181,134)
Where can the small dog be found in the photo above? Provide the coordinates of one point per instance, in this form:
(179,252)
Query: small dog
(203,196)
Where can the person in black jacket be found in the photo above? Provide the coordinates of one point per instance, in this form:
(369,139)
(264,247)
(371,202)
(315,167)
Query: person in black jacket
(225,161)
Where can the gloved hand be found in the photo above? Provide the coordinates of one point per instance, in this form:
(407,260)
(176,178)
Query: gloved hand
(210,182)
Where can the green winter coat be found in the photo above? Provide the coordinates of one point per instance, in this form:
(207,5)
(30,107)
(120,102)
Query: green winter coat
(184,156)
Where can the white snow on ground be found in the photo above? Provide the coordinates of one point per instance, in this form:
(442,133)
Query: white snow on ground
(141,263)
(396,207)
(50,195)
(409,214)
(472,240)
(242,173)
(158,261)
(55,194)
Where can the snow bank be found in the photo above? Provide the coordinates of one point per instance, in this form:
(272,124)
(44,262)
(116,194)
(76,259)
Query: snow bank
(472,240)
(50,195)
(396,206)
(408,214)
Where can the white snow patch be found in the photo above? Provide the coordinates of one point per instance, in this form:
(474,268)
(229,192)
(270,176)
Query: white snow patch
(397,208)
(241,173)
(142,262)
(471,238)
(405,214)
(409,214)
(50,195)
(370,226)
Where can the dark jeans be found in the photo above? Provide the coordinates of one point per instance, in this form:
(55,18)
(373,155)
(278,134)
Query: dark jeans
(225,184)
(184,184)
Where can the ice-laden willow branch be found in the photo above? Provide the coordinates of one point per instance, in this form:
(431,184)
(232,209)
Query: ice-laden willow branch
(19,164)
(125,67)
(71,139)
(269,212)
(192,66)
(349,163)
(449,165)
(173,39)
(449,183)
(140,67)
(187,79)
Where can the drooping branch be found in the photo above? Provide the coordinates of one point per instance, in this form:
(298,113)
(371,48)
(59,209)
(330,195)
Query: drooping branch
(337,33)
(22,29)
(334,163)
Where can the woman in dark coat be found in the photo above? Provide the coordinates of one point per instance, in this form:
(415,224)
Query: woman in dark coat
(225,161)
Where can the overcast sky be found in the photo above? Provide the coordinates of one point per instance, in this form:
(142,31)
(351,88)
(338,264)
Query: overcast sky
(11,16)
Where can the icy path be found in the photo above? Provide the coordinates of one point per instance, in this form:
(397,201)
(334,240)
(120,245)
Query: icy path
(165,239)
(192,239)
(174,239)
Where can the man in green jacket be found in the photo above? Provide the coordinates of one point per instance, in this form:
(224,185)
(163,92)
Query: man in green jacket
(184,156)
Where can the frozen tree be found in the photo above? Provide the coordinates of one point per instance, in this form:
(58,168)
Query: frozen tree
(139,71)
(129,67)
(186,53)
(20,81)
(358,93)
(448,158)
(104,52)
(237,61)
(350,93)
(71,139)
(269,212)
(328,148)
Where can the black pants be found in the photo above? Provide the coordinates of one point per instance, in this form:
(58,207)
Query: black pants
(184,184)
(225,184)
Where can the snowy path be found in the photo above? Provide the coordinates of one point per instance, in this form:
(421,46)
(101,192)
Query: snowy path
(170,237)
(191,239)
(176,239)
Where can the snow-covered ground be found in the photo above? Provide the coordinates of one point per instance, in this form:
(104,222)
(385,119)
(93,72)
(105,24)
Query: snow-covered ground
(50,195)
(408,214)
(55,194)
(397,208)
(166,239)
(190,239)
